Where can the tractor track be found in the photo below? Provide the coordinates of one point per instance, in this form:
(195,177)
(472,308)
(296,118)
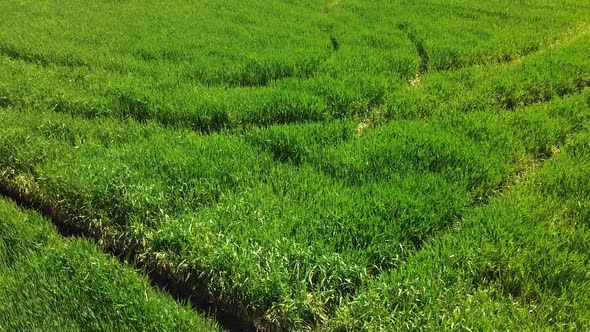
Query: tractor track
(424,65)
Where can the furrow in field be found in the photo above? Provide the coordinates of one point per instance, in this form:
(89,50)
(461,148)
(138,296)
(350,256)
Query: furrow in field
(568,37)
(69,224)
(537,79)
(50,282)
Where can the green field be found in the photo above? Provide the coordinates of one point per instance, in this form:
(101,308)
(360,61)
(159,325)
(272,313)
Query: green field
(303,165)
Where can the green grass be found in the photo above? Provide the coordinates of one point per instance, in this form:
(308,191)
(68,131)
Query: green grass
(305,164)
(51,283)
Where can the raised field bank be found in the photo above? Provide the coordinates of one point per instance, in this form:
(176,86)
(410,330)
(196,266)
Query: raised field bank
(305,165)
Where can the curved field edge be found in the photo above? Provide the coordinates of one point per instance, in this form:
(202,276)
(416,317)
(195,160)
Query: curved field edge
(48,282)
(521,262)
(131,233)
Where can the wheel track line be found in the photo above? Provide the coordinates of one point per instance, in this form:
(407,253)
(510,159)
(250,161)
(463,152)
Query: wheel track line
(14,54)
(566,38)
(424,65)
